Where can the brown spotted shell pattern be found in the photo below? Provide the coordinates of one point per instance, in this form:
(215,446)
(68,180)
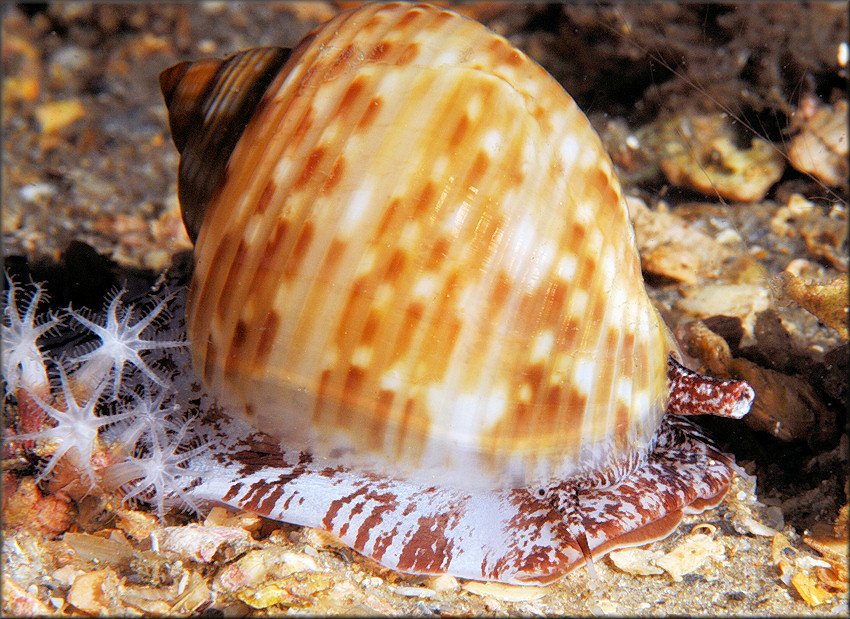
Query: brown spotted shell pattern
(412,252)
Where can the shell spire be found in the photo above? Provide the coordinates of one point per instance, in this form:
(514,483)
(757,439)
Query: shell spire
(209,105)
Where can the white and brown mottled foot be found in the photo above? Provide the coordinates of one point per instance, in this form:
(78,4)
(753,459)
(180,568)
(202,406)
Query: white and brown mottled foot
(514,536)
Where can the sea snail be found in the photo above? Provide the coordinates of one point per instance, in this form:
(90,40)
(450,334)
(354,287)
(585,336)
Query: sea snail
(414,267)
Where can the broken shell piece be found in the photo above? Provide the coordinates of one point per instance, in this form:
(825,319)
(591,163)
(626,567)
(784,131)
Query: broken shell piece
(673,262)
(834,550)
(254,568)
(701,154)
(19,601)
(777,548)
(671,247)
(826,301)
(825,233)
(114,550)
(200,543)
(413,592)
(690,555)
(443,582)
(637,561)
(221,517)
(808,588)
(755,527)
(266,596)
(137,524)
(741,300)
(96,593)
(505,593)
(55,116)
(833,577)
(821,147)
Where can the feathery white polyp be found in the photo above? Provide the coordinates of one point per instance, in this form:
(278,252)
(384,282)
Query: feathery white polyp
(159,474)
(77,426)
(23,361)
(121,343)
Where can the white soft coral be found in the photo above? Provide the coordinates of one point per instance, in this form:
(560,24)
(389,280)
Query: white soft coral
(120,344)
(147,414)
(109,400)
(23,362)
(75,434)
(159,474)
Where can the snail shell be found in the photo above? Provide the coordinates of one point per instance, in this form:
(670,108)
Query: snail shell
(411,248)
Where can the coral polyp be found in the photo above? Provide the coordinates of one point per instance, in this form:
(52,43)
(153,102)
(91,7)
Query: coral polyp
(102,411)
(121,343)
(23,361)
(158,472)
(76,429)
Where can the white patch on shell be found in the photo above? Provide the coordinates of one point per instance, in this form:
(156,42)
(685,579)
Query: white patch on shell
(393,379)
(617,308)
(356,208)
(583,213)
(568,149)
(425,287)
(584,373)
(529,154)
(640,404)
(541,348)
(557,120)
(492,142)
(608,268)
(559,369)
(567,267)
(391,82)
(469,301)
(595,242)
(473,107)
(521,243)
(495,407)
(449,56)
(579,302)
(365,264)
(439,167)
(384,293)
(623,390)
(281,171)
(540,262)
(362,356)
(409,235)
(458,217)
(588,159)
(330,358)
(330,136)
(465,414)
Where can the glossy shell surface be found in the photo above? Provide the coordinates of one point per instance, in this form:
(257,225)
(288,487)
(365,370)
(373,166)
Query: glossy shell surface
(418,251)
